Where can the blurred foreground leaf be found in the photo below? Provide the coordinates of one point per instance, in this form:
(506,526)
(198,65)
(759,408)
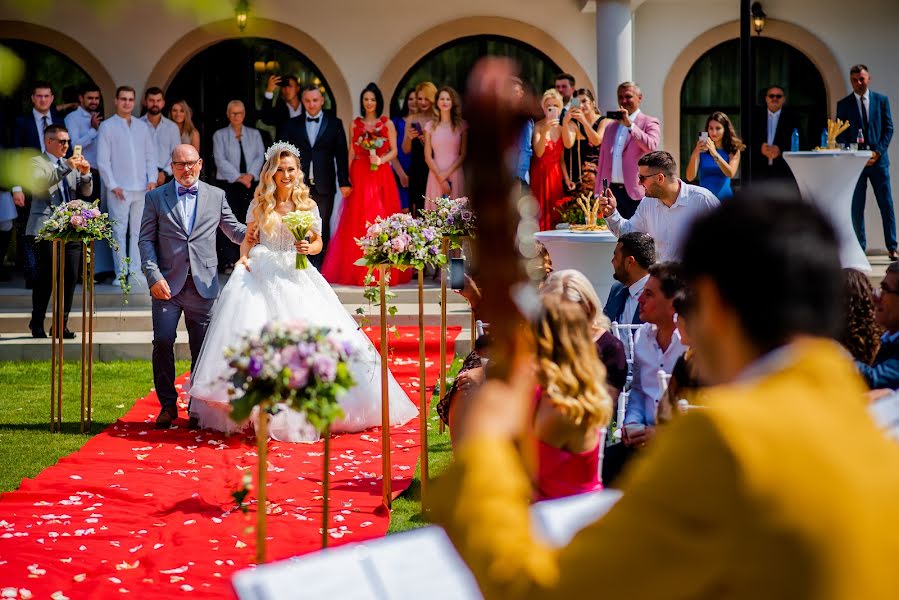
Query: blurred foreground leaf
(15,168)
(11,70)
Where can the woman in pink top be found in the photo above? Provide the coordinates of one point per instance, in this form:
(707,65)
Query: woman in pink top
(445,139)
(573,407)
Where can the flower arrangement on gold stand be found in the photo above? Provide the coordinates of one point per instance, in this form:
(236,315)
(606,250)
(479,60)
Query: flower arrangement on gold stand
(452,218)
(291,366)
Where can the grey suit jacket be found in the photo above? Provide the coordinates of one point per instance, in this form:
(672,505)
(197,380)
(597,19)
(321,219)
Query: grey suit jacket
(49,178)
(168,252)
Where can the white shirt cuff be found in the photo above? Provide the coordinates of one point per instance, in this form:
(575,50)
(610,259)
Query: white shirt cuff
(16,188)
(269,95)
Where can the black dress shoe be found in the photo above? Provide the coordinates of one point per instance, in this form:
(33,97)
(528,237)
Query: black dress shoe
(166,416)
(36,332)
(193,423)
(894,255)
(66,334)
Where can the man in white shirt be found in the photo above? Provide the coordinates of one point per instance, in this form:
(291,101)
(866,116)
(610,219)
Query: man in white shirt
(83,123)
(657,346)
(166,135)
(669,208)
(127,162)
(634,254)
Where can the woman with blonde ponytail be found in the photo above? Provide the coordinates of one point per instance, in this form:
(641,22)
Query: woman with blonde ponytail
(573,406)
(267,286)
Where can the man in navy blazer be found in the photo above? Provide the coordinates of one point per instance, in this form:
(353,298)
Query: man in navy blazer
(883,373)
(634,254)
(869,112)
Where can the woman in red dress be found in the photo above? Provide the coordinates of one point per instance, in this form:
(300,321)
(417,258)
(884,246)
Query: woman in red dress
(548,166)
(374,193)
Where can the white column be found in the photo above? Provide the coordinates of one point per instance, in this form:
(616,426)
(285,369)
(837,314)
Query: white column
(614,49)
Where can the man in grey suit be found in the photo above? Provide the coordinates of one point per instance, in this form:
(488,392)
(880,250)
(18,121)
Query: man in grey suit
(177,250)
(57,181)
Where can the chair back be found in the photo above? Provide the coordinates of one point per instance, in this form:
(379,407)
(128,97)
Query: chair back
(626,333)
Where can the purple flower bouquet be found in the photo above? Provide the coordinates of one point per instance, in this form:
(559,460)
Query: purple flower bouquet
(77,221)
(452,218)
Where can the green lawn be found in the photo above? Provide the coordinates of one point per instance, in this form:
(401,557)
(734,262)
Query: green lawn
(26,444)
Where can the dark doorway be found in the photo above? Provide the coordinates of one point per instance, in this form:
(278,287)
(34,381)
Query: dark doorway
(237,69)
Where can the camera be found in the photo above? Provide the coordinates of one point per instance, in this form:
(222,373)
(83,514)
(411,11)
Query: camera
(615,114)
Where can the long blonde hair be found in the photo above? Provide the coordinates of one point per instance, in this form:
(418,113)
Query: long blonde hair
(573,286)
(265,200)
(187,126)
(571,375)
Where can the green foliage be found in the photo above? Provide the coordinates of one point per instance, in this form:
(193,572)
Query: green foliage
(11,70)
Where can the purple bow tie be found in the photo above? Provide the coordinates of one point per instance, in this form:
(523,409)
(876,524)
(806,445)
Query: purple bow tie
(183,190)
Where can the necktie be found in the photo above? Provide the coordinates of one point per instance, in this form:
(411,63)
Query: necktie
(63,184)
(46,123)
(864,117)
(243,159)
(313,119)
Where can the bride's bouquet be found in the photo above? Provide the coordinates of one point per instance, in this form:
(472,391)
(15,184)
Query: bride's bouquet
(300,223)
(77,221)
(451,218)
(371,141)
(302,366)
(402,241)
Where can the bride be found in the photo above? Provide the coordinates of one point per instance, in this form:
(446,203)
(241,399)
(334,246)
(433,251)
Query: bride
(266,286)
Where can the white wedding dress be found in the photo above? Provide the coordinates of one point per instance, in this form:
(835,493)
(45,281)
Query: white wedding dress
(275,290)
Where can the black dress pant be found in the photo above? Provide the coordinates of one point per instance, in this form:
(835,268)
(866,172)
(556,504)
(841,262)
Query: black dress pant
(325,204)
(43,282)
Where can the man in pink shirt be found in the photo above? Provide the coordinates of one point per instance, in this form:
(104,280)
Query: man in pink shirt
(625,141)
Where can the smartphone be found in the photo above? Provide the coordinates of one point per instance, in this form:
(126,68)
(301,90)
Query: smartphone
(76,151)
(605,184)
(457,273)
(703,136)
(575,103)
(615,114)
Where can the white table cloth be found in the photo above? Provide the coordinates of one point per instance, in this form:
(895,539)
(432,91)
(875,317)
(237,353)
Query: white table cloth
(827,179)
(589,252)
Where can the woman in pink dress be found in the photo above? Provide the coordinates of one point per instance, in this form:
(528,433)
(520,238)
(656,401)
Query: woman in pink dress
(445,139)
(573,404)
(548,164)
(374,193)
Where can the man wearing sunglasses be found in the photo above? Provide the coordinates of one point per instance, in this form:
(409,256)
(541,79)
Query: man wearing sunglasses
(883,373)
(772,136)
(57,180)
(668,209)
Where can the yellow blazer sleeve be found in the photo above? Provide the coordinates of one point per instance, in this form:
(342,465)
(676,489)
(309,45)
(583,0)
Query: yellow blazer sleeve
(664,538)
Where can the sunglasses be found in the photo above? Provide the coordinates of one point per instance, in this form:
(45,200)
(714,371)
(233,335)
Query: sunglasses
(775,96)
(642,178)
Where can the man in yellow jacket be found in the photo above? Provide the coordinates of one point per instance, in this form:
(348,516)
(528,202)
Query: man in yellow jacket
(781,488)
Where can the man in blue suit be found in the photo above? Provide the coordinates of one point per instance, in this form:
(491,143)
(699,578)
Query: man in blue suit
(634,253)
(869,112)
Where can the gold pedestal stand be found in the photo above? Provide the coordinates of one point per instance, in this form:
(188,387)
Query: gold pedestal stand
(386,467)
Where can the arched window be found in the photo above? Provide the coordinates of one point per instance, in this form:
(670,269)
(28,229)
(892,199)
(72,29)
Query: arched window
(238,69)
(713,83)
(41,63)
(451,63)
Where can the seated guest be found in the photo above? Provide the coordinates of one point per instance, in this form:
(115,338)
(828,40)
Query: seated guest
(572,286)
(884,371)
(634,253)
(573,407)
(668,209)
(861,332)
(657,345)
(685,379)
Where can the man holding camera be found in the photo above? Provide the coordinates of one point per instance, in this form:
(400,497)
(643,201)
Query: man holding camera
(632,135)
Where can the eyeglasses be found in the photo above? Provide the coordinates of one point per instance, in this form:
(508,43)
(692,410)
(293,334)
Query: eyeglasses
(775,96)
(185,165)
(642,178)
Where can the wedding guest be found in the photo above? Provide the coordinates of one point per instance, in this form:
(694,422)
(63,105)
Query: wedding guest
(164,132)
(573,406)
(730,501)
(83,124)
(28,132)
(685,377)
(582,131)
(414,145)
(883,372)
(634,254)
(183,117)
(669,208)
(657,346)
(716,156)
(548,174)
(771,141)
(128,165)
(403,161)
(57,181)
(564,84)
(624,143)
(525,150)
(239,154)
(445,140)
(374,192)
(861,333)
(869,112)
(289,106)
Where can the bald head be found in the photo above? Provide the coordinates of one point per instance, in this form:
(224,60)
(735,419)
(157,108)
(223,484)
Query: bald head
(186,164)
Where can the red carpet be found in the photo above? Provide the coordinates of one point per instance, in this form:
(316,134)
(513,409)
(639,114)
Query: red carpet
(149,513)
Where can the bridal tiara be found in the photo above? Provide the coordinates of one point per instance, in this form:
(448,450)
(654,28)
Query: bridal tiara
(278,147)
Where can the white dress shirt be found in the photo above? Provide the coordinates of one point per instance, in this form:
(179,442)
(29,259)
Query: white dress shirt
(648,360)
(126,156)
(165,136)
(621,135)
(313,127)
(773,119)
(633,297)
(187,204)
(666,225)
(226,152)
(294,112)
(858,100)
(39,123)
(78,122)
